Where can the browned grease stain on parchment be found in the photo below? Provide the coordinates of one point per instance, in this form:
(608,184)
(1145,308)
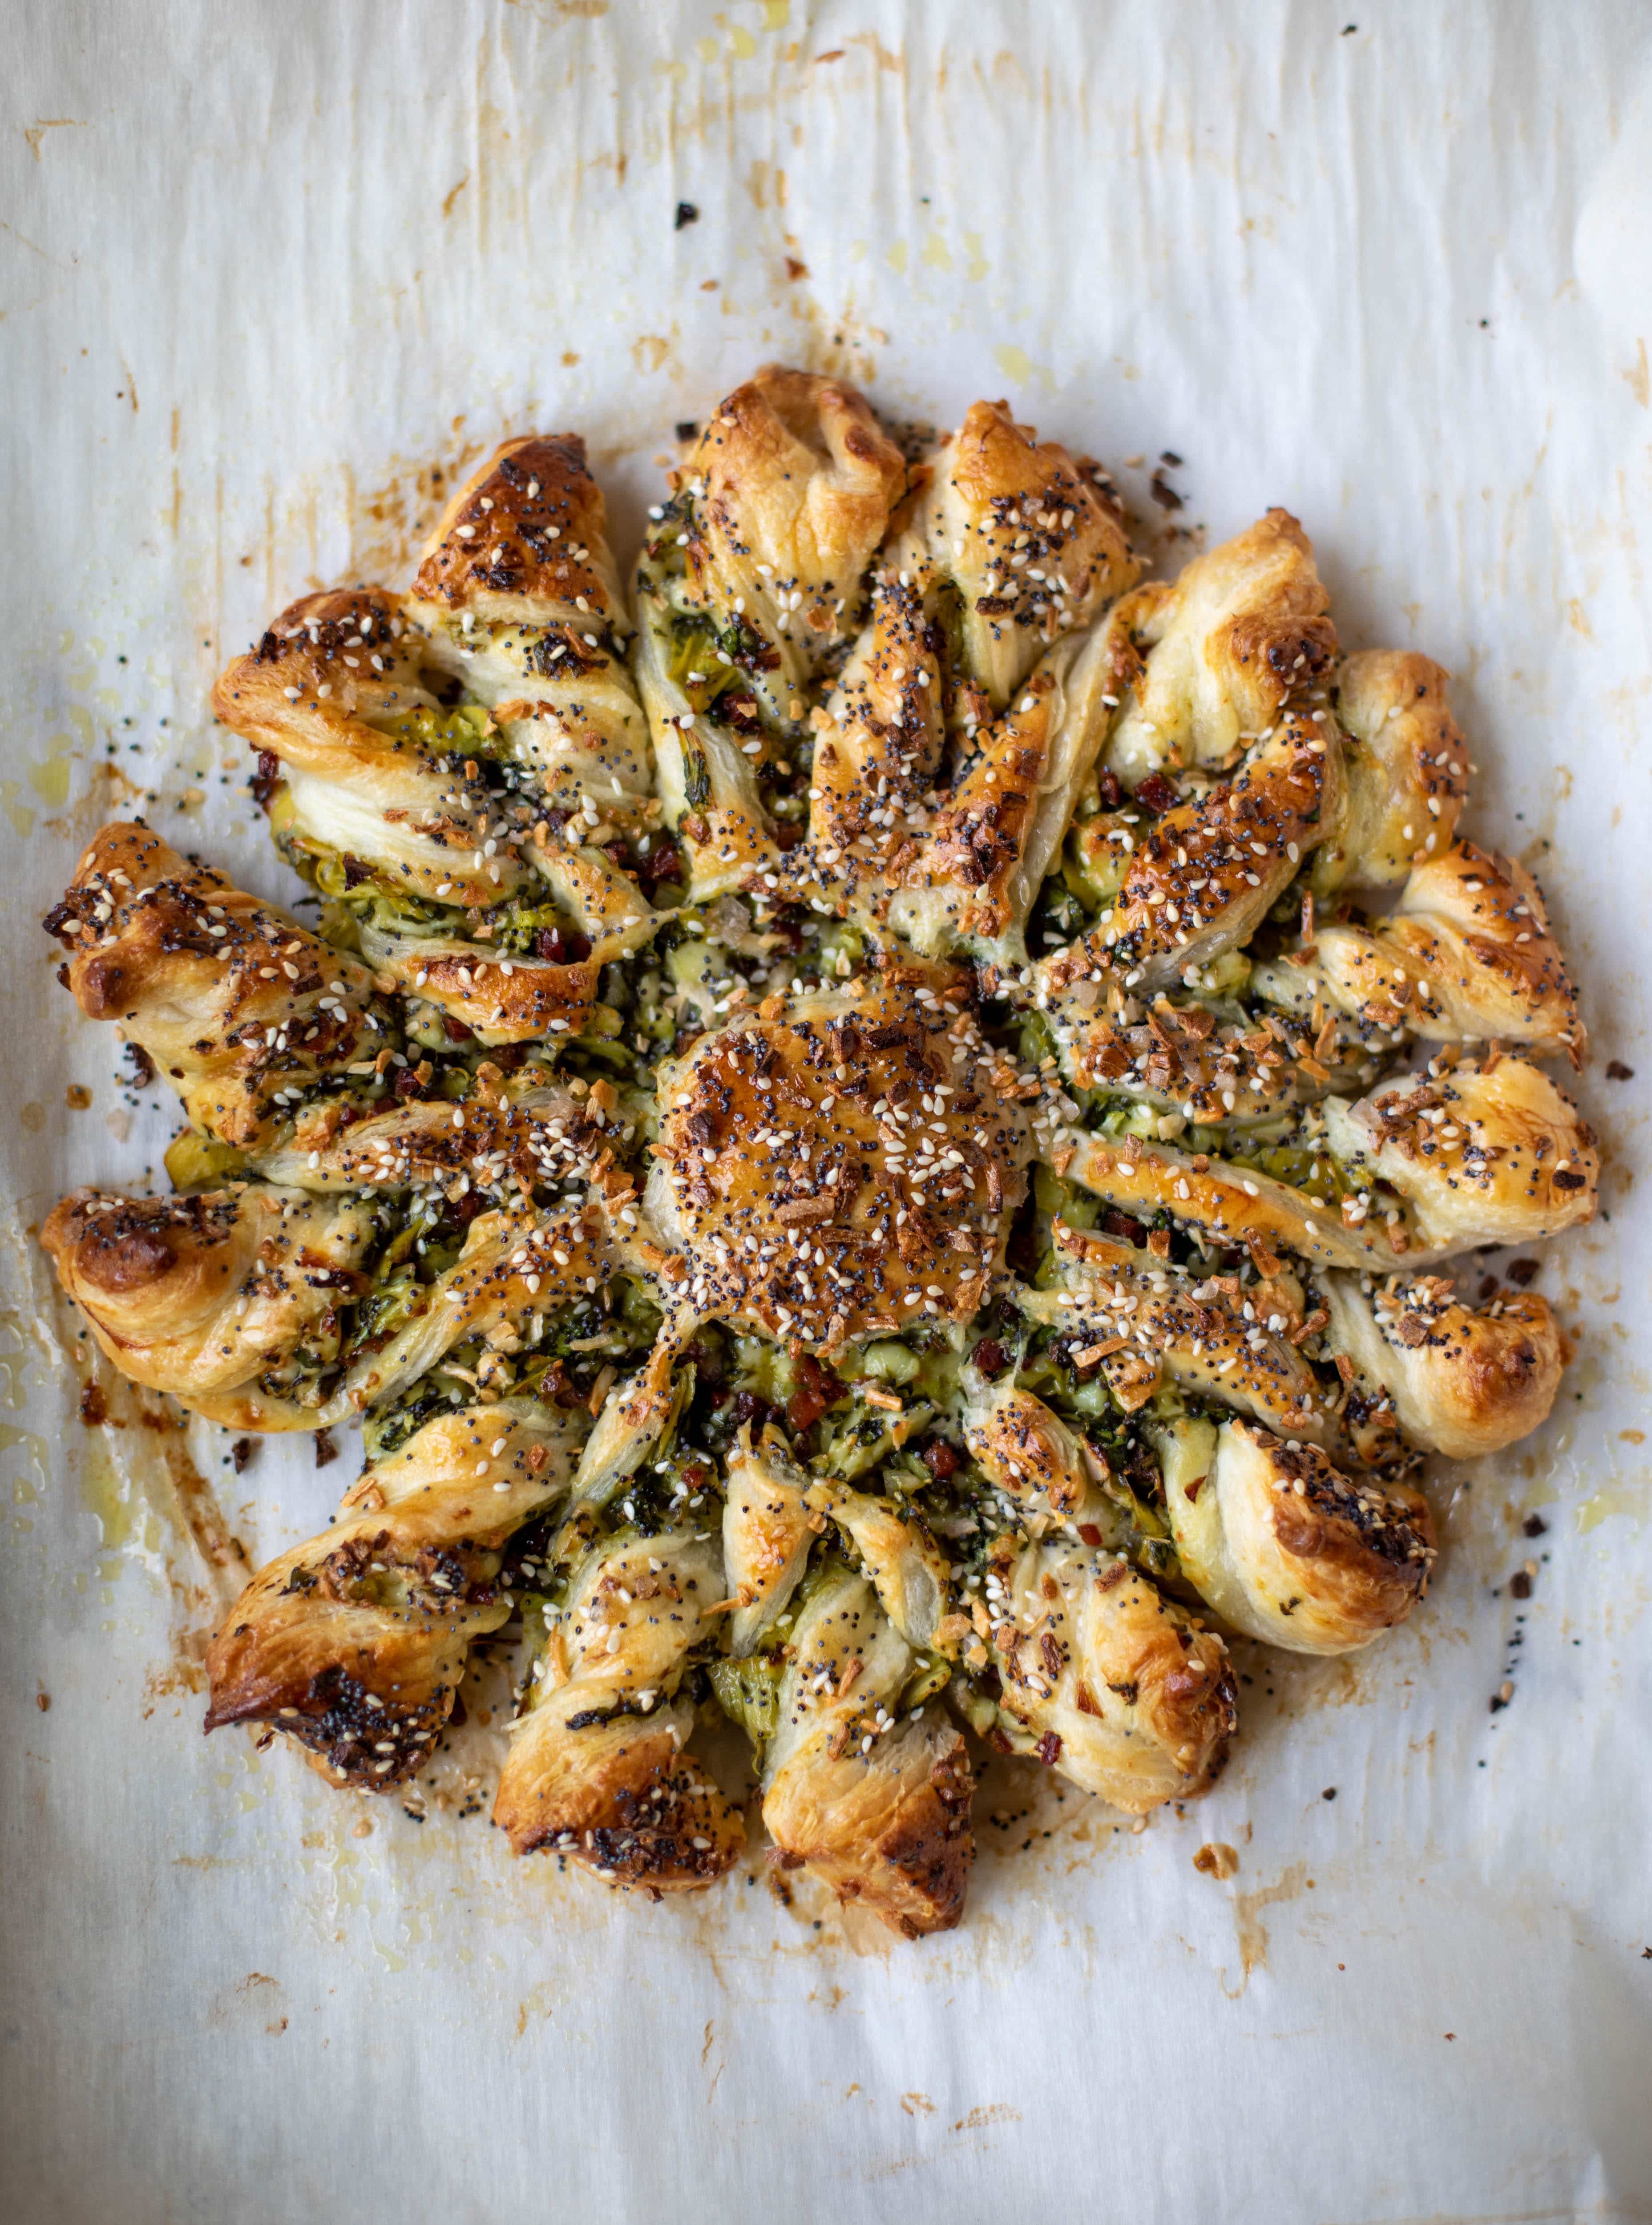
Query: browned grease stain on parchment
(136,1475)
(1251,1931)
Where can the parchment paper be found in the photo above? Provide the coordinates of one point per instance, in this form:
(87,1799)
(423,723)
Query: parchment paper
(264,265)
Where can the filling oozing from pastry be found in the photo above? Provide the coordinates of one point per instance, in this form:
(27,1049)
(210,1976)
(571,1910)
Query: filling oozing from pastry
(462,773)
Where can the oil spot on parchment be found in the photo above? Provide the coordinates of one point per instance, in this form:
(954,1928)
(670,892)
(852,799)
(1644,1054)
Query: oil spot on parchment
(654,351)
(36,131)
(137,1476)
(988,2114)
(258,1998)
(1639,385)
(389,522)
(1020,370)
(1251,1931)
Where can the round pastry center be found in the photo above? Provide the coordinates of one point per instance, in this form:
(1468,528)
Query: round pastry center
(840,1169)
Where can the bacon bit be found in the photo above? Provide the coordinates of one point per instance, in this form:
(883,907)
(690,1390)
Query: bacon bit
(1049,1748)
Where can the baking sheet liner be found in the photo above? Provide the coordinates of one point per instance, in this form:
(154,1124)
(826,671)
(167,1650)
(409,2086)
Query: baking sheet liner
(262,268)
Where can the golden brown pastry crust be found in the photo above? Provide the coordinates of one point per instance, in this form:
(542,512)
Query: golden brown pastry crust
(1487,1153)
(877,746)
(504,1142)
(977,871)
(767,1529)
(1407,772)
(1180,1060)
(1107,1681)
(1287,1548)
(231,1001)
(309,694)
(1461,1381)
(211,1297)
(1009,546)
(814,1131)
(1030,542)
(1208,873)
(783,500)
(797,480)
(1027,1451)
(354,1643)
(1243,632)
(526,534)
(597,1768)
(1142,1323)
(875,1805)
(517,602)
(1465,956)
(892,1834)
